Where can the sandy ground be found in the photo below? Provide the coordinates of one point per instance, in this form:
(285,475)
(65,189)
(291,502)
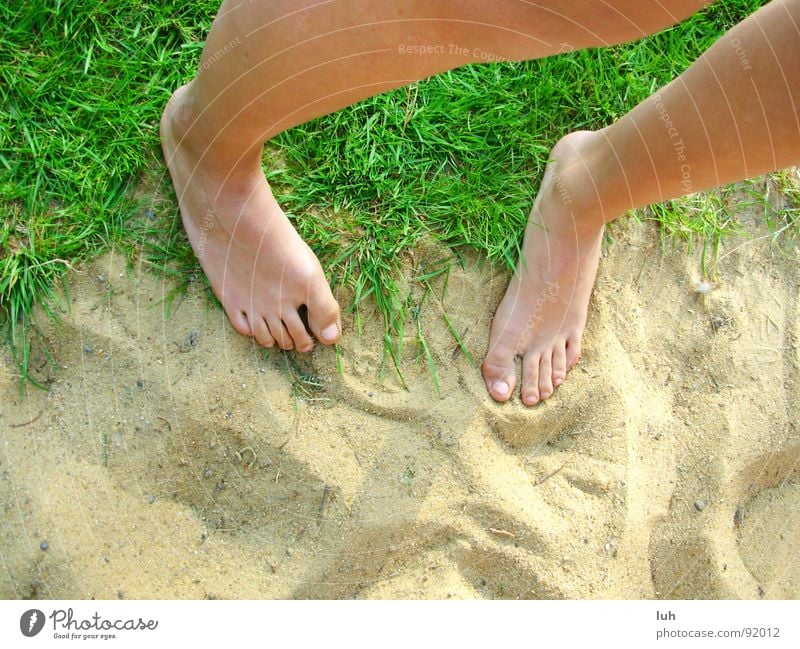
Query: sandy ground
(172,458)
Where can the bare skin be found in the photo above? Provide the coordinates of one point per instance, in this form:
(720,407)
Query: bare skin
(258,266)
(733,113)
(543,312)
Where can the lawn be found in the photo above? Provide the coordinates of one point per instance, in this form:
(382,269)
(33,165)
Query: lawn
(457,157)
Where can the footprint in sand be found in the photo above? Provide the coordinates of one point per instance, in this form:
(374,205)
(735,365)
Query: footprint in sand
(215,469)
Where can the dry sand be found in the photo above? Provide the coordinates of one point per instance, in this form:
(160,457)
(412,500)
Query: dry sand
(171,458)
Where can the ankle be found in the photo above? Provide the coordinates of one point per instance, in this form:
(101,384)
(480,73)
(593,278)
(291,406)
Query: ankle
(216,157)
(584,171)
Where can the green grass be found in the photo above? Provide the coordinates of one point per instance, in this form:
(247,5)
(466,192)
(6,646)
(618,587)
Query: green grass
(457,157)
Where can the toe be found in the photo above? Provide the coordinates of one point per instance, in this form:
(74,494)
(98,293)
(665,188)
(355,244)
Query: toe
(297,330)
(239,321)
(559,363)
(546,375)
(261,333)
(499,388)
(498,374)
(530,379)
(280,333)
(323,313)
(573,352)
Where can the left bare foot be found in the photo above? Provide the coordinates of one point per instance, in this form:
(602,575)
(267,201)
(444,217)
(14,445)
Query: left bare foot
(543,312)
(258,266)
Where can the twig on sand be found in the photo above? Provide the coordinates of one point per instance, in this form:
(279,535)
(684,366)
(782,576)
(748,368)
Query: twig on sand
(550,475)
(27,423)
(291,435)
(326,496)
(504,533)
(240,456)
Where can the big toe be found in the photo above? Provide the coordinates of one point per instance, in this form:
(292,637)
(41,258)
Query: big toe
(498,374)
(323,313)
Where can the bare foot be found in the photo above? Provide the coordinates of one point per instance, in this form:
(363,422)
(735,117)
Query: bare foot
(258,266)
(543,312)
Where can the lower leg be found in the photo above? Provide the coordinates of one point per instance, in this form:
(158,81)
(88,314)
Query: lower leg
(272,64)
(730,116)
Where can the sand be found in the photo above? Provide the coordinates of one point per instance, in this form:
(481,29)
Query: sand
(172,458)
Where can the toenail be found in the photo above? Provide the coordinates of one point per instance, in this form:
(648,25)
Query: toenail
(558,381)
(531,399)
(501,387)
(329,332)
(545,394)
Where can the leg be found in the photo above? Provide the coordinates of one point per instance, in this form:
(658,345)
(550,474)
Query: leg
(732,115)
(271,64)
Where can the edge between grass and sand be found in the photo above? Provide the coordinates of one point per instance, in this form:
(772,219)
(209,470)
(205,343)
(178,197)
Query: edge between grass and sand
(456,157)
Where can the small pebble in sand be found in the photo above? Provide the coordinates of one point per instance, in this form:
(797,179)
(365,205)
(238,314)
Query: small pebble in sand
(207,473)
(88,349)
(139,383)
(191,342)
(610,549)
(703,287)
(699,505)
(151,499)
(43,546)
(717,322)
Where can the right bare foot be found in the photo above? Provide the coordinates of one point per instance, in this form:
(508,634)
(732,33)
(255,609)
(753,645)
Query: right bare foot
(258,266)
(543,313)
